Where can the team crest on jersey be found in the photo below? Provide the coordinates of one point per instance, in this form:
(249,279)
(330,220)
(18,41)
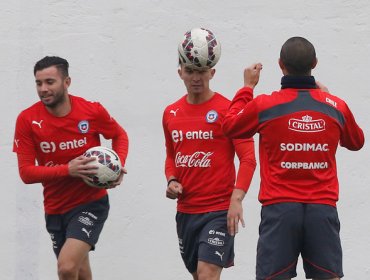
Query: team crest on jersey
(83,126)
(211,116)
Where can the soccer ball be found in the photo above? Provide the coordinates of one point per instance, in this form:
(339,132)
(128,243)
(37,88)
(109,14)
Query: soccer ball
(109,166)
(199,48)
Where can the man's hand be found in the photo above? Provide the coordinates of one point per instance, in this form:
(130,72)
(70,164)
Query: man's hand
(235,213)
(82,167)
(173,190)
(252,75)
(118,181)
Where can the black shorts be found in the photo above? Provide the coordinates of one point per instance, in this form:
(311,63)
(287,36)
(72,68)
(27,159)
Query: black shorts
(204,237)
(290,229)
(84,223)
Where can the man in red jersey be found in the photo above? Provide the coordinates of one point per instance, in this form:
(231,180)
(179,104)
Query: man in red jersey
(200,173)
(55,132)
(300,127)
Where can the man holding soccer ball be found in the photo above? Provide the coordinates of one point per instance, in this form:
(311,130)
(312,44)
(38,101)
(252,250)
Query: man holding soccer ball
(199,164)
(300,127)
(55,132)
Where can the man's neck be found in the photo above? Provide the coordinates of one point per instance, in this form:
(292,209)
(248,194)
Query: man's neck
(61,109)
(199,98)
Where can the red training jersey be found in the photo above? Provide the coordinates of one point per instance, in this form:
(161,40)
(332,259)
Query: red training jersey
(201,157)
(54,141)
(299,134)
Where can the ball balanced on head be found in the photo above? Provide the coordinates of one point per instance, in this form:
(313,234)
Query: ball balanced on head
(199,48)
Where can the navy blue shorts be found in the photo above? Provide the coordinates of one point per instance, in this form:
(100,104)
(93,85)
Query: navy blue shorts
(84,223)
(204,237)
(290,229)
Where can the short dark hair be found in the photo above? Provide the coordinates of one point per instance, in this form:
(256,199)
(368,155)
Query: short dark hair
(298,56)
(60,63)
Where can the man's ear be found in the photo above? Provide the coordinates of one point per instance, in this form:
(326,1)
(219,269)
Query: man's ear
(315,63)
(282,67)
(179,71)
(213,72)
(281,64)
(67,81)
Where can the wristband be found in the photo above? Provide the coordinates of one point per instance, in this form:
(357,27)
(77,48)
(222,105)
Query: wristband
(171,180)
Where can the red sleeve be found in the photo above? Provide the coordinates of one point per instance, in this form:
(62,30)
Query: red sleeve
(120,145)
(23,142)
(23,145)
(110,129)
(30,173)
(352,136)
(241,121)
(170,168)
(245,152)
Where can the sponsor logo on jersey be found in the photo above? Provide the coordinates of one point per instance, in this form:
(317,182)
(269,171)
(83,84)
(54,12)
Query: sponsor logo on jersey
(306,124)
(38,123)
(51,147)
(174,112)
(197,159)
(179,135)
(304,147)
(83,126)
(211,116)
(304,165)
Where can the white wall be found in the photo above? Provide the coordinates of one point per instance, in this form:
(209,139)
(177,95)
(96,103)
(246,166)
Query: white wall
(124,54)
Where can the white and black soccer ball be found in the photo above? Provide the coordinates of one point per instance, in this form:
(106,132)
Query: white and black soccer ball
(109,166)
(199,48)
